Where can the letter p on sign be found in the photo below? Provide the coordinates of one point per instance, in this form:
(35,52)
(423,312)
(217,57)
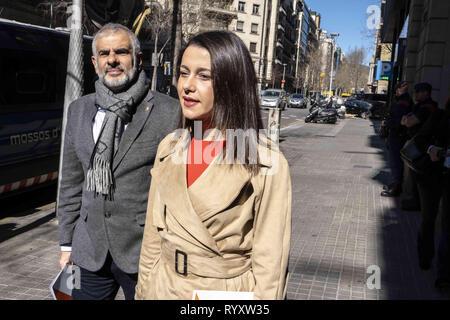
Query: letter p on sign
(386,68)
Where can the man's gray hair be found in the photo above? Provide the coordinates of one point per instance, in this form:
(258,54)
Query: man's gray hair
(111,28)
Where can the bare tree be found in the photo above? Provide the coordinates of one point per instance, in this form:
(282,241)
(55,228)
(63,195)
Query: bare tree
(192,16)
(343,78)
(352,73)
(311,68)
(176,36)
(54,11)
(157,28)
(58,14)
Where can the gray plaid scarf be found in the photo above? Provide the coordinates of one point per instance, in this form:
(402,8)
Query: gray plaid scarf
(119,108)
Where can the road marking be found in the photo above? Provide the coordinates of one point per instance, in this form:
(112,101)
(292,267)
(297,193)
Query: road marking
(336,130)
(294,125)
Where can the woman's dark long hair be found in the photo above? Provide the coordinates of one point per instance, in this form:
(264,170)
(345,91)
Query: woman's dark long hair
(236,100)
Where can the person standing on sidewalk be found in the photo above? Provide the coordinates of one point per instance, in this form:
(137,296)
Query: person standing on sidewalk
(428,184)
(110,145)
(434,138)
(397,138)
(217,224)
(413,122)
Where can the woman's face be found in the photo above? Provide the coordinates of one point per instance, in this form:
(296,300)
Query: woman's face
(195,87)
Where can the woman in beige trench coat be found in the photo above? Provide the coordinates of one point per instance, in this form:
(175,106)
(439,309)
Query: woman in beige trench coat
(229,230)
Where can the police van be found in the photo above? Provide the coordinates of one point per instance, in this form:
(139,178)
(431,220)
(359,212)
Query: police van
(33,63)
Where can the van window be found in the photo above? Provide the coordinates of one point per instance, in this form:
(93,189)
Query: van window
(24,81)
(30,82)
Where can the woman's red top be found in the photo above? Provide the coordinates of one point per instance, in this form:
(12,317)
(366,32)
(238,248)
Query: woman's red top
(197,156)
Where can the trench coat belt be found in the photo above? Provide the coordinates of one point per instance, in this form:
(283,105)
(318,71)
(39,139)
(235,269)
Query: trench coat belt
(204,266)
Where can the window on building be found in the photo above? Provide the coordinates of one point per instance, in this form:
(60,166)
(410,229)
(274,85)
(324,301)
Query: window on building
(253,47)
(254,28)
(240,26)
(241,6)
(256,9)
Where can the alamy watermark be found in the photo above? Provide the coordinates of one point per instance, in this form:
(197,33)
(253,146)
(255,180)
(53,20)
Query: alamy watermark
(241,147)
(373,282)
(374,17)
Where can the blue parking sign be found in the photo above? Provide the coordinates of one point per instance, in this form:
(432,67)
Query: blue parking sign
(385,70)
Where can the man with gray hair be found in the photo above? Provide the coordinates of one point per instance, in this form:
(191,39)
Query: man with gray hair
(110,145)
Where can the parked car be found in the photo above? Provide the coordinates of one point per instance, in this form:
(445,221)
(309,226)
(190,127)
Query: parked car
(358,107)
(297,100)
(273,98)
(378,104)
(357,96)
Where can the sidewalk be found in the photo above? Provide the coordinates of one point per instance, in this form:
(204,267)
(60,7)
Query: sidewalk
(340,225)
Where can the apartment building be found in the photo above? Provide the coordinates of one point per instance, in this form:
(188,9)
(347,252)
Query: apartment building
(205,15)
(382,52)
(277,34)
(255,25)
(327,46)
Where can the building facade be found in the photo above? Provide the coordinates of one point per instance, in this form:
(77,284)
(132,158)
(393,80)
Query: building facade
(424,56)
(278,34)
(330,57)
(269,28)
(253,26)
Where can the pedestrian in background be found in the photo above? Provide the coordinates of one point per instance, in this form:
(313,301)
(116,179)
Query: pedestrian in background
(413,122)
(110,145)
(443,149)
(421,124)
(214,225)
(397,138)
(434,138)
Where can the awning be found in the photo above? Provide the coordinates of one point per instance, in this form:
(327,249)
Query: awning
(394,15)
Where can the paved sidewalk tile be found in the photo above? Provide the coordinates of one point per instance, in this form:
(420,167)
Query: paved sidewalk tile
(341,227)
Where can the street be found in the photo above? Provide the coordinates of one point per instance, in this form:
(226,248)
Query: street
(344,234)
(288,117)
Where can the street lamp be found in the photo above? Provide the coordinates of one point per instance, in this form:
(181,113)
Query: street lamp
(333,35)
(284,71)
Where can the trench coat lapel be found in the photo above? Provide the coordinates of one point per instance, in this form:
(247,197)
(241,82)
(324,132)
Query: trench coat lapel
(217,188)
(170,180)
(133,129)
(191,207)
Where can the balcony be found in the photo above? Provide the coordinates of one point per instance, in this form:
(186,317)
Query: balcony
(279,44)
(222,9)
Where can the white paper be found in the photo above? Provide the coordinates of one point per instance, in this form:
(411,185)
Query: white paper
(221,295)
(60,282)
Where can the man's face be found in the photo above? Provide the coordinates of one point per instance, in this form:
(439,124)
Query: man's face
(401,91)
(114,62)
(421,95)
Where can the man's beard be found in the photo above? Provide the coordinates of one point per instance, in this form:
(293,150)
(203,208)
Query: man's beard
(123,82)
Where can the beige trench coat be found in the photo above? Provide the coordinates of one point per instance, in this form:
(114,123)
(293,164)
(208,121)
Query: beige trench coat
(228,231)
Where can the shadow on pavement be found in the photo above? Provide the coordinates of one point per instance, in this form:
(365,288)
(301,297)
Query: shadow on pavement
(397,237)
(8,231)
(20,213)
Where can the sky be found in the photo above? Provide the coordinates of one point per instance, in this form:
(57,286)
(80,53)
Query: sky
(350,19)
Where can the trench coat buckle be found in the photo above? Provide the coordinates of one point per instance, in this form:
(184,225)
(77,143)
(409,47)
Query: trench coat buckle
(179,252)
